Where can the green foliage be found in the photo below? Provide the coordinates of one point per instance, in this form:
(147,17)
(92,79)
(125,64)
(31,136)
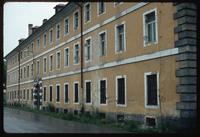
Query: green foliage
(51,107)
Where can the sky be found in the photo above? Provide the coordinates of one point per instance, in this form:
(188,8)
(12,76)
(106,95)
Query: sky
(17,16)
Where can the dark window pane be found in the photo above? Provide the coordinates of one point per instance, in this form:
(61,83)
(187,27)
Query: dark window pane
(102,91)
(121,91)
(88,92)
(152,90)
(58,93)
(76,93)
(66,93)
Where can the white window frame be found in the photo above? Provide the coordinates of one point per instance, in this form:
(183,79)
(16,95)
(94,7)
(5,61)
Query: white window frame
(50,63)
(76,82)
(43,94)
(78,53)
(65,34)
(99,14)
(57,60)
(44,44)
(116,38)
(85,22)
(44,72)
(66,66)
(90,92)
(145,90)
(57,31)
(100,92)
(67,83)
(106,43)
(74,20)
(116,89)
(88,38)
(59,93)
(52,93)
(50,42)
(144,31)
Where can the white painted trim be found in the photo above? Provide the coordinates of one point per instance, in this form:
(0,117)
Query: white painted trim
(98,14)
(57,60)
(74,20)
(90,60)
(77,43)
(84,14)
(59,93)
(67,18)
(113,18)
(44,65)
(116,89)
(75,82)
(90,103)
(100,92)
(65,57)
(144,30)
(50,42)
(146,57)
(116,38)
(145,90)
(66,83)
(106,43)
(51,93)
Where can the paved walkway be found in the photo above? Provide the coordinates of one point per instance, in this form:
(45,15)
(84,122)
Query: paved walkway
(16,121)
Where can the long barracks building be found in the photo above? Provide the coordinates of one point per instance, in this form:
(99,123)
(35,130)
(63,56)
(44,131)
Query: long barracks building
(123,60)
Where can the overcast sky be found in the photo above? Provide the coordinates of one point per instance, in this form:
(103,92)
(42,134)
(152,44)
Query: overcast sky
(17,16)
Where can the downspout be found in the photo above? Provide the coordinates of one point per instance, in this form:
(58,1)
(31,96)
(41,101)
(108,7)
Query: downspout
(19,78)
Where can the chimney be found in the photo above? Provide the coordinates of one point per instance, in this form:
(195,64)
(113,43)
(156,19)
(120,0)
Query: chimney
(44,20)
(21,40)
(34,28)
(30,29)
(59,7)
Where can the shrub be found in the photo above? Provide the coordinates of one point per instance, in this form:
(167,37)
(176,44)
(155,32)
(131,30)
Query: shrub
(51,107)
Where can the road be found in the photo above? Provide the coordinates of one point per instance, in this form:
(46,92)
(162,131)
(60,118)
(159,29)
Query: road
(16,121)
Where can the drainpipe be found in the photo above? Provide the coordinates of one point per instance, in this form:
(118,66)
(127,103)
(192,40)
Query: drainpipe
(19,78)
(81,10)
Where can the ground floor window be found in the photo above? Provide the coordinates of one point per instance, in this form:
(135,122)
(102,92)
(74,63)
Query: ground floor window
(88,91)
(50,93)
(66,90)
(151,89)
(121,89)
(75,92)
(102,91)
(44,93)
(58,93)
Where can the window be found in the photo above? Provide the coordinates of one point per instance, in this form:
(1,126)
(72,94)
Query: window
(45,40)
(87,11)
(45,65)
(101,6)
(151,90)
(76,54)
(20,73)
(121,90)
(27,71)
(24,72)
(51,36)
(88,91)
(88,49)
(31,69)
(38,66)
(50,93)
(31,94)
(66,92)
(58,31)
(24,94)
(150,27)
(76,20)
(66,26)
(38,42)
(66,59)
(57,93)
(102,43)
(120,38)
(150,121)
(103,91)
(27,94)
(58,60)
(51,62)
(44,93)
(76,98)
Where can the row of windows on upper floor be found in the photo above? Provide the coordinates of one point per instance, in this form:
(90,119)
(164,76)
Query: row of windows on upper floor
(87,17)
(151,87)
(150,36)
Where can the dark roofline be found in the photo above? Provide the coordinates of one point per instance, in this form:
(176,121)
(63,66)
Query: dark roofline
(38,29)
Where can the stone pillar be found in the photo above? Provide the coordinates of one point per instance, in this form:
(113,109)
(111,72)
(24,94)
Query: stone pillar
(186,30)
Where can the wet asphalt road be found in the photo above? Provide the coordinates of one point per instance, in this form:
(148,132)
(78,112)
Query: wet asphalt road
(16,121)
